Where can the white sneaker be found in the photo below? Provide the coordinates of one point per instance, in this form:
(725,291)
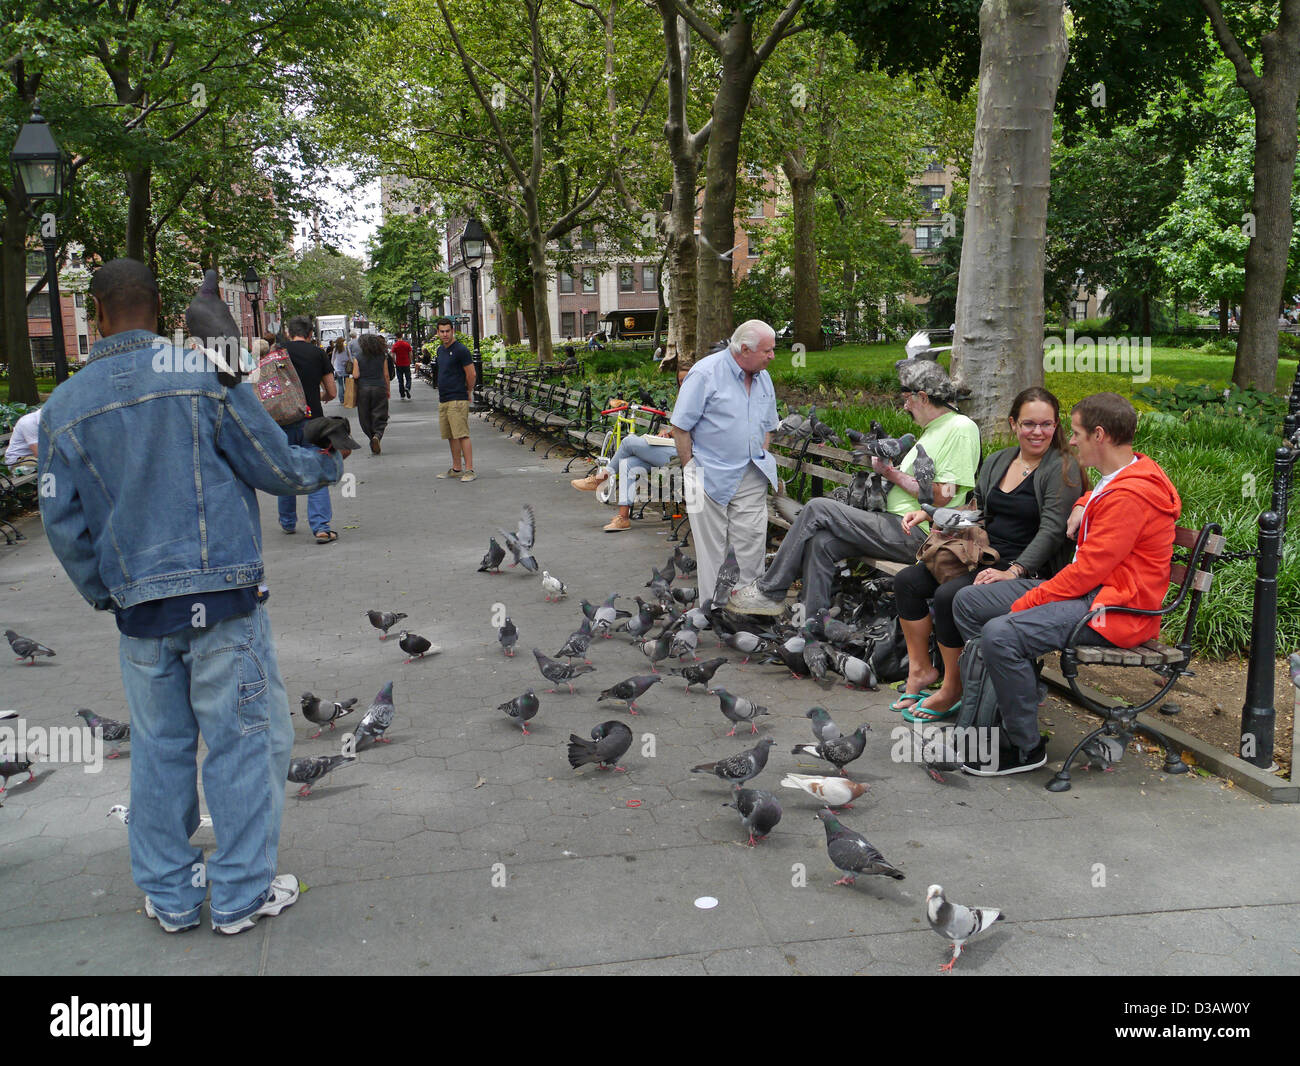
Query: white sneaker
(749,600)
(284,893)
(167,926)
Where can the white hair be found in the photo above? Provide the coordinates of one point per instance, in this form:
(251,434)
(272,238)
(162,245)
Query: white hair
(750,334)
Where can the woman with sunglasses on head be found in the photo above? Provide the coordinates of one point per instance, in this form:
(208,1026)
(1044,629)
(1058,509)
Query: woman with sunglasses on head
(1025,493)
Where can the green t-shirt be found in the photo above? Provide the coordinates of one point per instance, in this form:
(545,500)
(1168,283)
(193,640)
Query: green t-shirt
(953,441)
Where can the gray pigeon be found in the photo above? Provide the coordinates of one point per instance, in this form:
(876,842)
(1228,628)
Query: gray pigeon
(737,709)
(685,595)
(759,812)
(209,321)
(508,635)
(557,672)
(841,751)
(739,768)
(685,641)
(923,471)
(746,642)
(657,650)
(817,658)
(378,717)
(956,923)
(641,622)
(728,575)
(1104,751)
(682,561)
(520,543)
(492,558)
(322,714)
(852,852)
(952,519)
(310,769)
(522,709)
(384,620)
(823,727)
(114,732)
(890,449)
(855,671)
(630,690)
(698,673)
(25,648)
(608,742)
(577,644)
(605,615)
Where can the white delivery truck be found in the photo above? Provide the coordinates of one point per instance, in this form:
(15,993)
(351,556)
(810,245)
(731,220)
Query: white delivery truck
(330,326)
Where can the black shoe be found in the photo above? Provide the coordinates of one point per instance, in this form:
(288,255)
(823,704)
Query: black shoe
(1010,761)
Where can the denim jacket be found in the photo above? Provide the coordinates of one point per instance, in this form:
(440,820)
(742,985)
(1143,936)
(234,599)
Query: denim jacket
(148,469)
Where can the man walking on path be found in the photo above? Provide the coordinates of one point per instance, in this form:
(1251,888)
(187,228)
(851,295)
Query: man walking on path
(402,363)
(168,537)
(317,376)
(456,379)
(722,425)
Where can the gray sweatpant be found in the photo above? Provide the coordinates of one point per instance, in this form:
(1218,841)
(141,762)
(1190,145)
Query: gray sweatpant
(1013,641)
(825,532)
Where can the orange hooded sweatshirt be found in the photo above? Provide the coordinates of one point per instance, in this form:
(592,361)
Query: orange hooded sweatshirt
(1126,541)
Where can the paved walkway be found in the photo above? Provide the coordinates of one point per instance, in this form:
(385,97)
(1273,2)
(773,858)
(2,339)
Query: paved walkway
(466,847)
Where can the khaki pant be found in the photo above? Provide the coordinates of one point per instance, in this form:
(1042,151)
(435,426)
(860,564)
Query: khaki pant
(742,522)
(453,419)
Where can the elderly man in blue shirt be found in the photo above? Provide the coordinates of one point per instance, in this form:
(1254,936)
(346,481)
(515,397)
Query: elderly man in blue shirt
(722,424)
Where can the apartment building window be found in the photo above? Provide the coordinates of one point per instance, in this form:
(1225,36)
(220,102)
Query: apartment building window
(83,343)
(40,306)
(928,238)
(752,246)
(626,279)
(589,323)
(928,196)
(931,156)
(79,299)
(756,208)
(35,264)
(566,281)
(649,279)
(588,241)
(42,349)
(566,323)
(588,279)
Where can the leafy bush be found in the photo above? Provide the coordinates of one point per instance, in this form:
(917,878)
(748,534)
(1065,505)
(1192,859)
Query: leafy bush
(1250,405)
(10,413)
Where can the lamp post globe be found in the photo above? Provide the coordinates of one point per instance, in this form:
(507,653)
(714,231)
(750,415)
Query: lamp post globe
(43,171)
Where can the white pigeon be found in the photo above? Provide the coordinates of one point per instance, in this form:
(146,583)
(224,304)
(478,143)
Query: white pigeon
(832,791)
(956,923)
(555,588)
(124,816)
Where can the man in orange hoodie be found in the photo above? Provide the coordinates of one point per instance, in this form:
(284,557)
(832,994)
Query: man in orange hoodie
(1125,533)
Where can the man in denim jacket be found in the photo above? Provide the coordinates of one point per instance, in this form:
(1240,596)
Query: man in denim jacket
(167,536)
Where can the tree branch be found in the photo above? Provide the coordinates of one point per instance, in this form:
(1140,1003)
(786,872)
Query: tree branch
(700,25)
(780,30)
(1246,76)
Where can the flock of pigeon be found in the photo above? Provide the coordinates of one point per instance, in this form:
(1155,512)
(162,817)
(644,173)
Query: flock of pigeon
(818,648)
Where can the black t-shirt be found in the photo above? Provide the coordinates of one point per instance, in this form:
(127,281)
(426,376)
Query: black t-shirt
(312,364)
(452,361)
(1011,518)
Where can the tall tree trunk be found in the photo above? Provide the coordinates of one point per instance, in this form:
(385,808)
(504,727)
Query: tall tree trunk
(1223,316)
(530,317)
(1144,326)
(13,263)
(137,213)
(998,341)
(684,149)
(807,284)
(714,317)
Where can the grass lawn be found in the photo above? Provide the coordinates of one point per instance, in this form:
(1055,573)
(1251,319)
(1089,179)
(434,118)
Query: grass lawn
(43,385)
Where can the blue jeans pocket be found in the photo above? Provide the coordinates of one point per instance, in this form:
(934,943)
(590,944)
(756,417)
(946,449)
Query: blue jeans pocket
(253,710)
(143,651)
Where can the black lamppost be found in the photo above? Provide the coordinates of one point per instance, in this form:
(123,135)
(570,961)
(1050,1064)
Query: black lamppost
(43,171)
(413,317)
(473,240)
(253,289)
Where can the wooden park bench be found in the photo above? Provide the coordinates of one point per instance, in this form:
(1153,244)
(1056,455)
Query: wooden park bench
(1191,580)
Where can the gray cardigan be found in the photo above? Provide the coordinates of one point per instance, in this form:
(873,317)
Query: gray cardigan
(1049,551)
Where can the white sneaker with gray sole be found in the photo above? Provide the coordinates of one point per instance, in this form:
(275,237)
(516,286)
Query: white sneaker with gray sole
(284,893)
(749,600)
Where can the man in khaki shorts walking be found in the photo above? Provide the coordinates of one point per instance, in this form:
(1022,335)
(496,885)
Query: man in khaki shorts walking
(456,377)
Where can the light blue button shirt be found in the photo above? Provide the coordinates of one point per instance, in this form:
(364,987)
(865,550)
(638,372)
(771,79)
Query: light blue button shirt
(727,423)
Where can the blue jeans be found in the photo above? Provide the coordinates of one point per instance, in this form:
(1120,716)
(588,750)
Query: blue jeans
(319,508)
(222,683)
(633,458)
